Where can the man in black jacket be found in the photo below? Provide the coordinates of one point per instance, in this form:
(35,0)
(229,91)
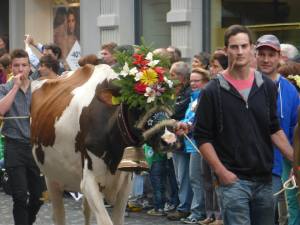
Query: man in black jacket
(236,125)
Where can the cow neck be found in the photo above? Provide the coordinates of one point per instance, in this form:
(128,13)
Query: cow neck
(124,129)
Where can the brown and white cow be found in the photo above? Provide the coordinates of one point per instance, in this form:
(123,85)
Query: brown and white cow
(79,138)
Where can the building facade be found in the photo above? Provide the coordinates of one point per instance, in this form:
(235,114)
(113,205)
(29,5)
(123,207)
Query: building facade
(191,25)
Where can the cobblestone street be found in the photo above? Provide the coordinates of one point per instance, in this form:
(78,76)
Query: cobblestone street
(74,214)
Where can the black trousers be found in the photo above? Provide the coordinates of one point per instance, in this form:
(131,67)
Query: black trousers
(25,181)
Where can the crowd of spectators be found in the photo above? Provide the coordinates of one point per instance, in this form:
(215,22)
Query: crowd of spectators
(245,86)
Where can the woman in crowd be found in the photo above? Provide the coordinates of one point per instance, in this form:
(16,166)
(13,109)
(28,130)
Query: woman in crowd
(198,79)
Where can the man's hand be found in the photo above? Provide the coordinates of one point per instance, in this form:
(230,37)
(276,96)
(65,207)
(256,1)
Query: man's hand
(29,40)
(226,177)
(18,79)
(181,128)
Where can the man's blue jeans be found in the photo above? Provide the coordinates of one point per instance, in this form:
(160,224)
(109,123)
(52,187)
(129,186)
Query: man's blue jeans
(181,162)
(198,202)
(247,203)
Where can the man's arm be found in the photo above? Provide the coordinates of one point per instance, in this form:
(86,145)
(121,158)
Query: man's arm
(225,176)
(8,99)
(280,140)
(34,60)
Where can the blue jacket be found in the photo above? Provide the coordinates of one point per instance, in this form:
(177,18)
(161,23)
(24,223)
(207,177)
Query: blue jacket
(287,106)
(189,118)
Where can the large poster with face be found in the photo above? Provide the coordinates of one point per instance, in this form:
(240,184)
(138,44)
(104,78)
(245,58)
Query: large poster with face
(66,34)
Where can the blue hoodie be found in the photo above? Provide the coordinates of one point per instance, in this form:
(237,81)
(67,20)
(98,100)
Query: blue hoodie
(287,107)
(189,118)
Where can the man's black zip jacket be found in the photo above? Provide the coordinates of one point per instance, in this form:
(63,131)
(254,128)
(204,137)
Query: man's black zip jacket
(239,131)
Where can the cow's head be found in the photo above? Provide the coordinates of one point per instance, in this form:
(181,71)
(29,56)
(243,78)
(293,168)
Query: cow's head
(154,126)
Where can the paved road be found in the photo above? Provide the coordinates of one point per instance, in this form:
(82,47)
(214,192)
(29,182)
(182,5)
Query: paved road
(74,214)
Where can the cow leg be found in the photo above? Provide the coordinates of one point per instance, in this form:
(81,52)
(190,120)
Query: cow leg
(86,211)
(56,196)
(121,200)
(90,189)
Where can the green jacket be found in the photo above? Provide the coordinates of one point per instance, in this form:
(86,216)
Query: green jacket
(152,156)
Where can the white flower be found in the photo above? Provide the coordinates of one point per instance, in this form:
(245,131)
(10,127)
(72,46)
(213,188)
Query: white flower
(152,63)
(169,82)
(149,56)
(138,76)
(150,93)
(133,71)
(126,71)
(169,137)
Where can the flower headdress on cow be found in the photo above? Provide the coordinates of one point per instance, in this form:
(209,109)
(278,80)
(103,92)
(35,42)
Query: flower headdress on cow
(295,80)
(143,79)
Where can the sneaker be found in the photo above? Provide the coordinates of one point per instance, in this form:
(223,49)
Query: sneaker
(177,215)
(206,221)
(169,207)
(189,220)
(154,212)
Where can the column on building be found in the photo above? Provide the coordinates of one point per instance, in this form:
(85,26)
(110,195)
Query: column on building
(116,21)
(186,22)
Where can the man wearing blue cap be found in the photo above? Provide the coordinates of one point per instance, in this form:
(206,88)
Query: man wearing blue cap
(268,59)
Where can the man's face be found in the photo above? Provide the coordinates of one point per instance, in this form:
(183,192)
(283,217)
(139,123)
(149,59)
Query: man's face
(49,52)
(179,80)
(20,65)
(197,63)
(267,60)
(239,50)
(44,70)
(107,57)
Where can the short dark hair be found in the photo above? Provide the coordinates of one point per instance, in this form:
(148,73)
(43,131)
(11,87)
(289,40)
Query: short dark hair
(50,62)
(221,58)
(19,53)
(234,30)
(54,48)
(5,60)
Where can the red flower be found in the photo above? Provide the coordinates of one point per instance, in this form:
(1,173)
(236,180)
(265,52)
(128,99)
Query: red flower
(140,88)
(160,71)
(139,60)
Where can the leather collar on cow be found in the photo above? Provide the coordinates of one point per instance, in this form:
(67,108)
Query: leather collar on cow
(128,137)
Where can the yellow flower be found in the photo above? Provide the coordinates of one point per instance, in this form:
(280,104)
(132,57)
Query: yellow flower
(149,77)
(296,78)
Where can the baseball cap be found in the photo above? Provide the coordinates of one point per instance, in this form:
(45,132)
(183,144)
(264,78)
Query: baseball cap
(269,40)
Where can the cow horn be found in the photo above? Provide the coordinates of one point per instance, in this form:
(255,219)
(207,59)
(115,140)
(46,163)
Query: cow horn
(142,121)
(165,123)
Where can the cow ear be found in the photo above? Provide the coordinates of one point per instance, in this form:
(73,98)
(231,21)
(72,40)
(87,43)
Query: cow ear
(106,96)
